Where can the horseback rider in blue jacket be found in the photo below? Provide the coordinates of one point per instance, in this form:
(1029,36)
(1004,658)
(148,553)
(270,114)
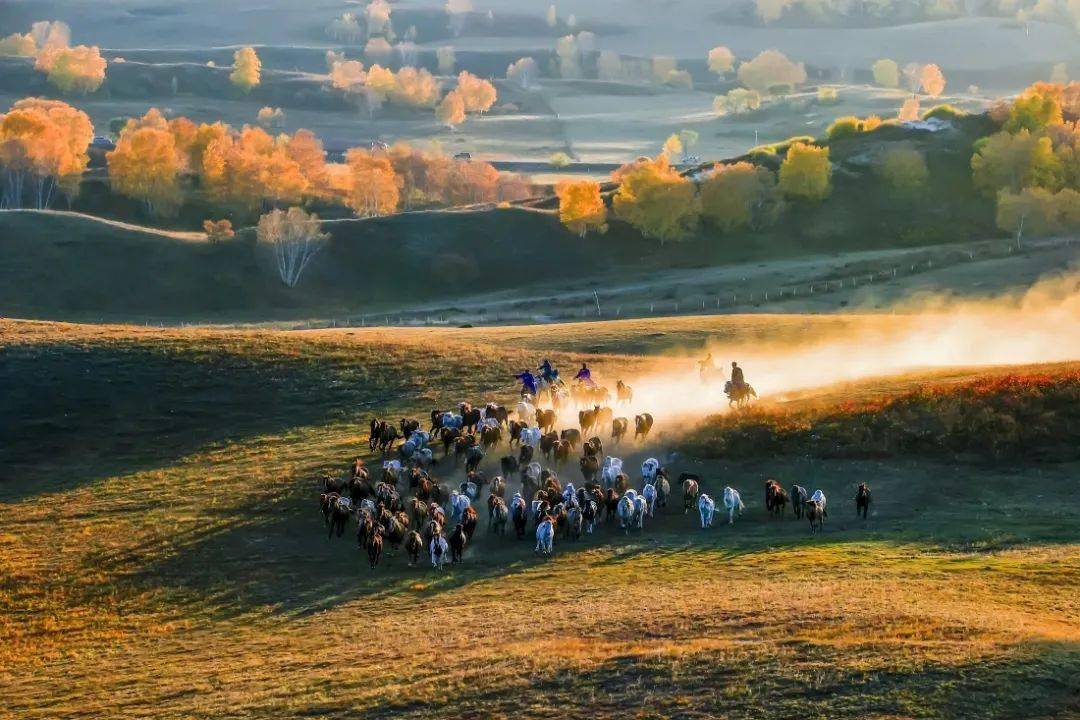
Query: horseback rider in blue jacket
(528,383)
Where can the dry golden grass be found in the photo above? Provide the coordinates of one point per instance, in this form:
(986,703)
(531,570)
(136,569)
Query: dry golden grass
(164,577)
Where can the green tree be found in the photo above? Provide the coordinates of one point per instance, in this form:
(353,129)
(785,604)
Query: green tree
(806,172)
(904,170)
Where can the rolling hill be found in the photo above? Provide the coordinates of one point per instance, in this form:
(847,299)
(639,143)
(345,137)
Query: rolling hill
(163,552)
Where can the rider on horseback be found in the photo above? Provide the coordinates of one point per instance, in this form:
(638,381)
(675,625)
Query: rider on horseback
(737,380)
(547,372)
(528,383)
(584,375)
(705,367)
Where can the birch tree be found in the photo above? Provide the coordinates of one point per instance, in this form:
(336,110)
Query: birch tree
(295,237)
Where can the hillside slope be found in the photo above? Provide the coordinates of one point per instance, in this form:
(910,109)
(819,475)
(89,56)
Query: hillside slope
(163,554)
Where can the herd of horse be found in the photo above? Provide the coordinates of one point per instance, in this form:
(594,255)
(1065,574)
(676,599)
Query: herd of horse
(403,504)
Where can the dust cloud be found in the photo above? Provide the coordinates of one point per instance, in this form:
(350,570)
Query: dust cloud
(1041,324)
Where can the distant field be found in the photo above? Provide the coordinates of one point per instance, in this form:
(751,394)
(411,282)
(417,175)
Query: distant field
(163,552)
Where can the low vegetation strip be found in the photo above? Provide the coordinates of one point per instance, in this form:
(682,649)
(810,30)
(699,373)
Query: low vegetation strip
(1031,416)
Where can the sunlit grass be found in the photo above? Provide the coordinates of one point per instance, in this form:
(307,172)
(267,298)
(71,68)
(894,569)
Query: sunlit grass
(191,580)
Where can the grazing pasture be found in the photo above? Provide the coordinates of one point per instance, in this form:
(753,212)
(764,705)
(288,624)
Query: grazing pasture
(162,550)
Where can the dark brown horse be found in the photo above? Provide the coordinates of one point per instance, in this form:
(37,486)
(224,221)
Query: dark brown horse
(862,501)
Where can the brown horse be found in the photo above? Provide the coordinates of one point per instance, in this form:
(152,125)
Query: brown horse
(624,395)
(776,498)
(862,501)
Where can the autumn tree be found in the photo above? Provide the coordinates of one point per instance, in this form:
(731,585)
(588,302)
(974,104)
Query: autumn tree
(1035,211)
(415,88)
(523,72)
(295,238)
(806,172)
(476,94)
(375,187)
(1015,161)
(772,72)
(18,45)
(218,230)
(721,60)
(737,195)
(673,147)
(247,69)
(451,110)
(909,111)
(656,200)
(904,170)
(43,143)
(270,117)
(347,75)
(1034,111)
(72,69)
(736,102)
(145,164)
(581,208)
(932,80)
(886,73)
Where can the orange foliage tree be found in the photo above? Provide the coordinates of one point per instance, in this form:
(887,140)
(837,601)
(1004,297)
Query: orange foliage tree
(374,188)
(580,206)
(76,69)
(476,94)
(451,111)
(146,165)
(44,141)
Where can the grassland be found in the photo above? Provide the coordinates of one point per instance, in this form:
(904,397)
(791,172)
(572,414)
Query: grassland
(161,553)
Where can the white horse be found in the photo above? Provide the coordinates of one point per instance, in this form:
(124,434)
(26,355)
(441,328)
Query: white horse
(545,537)
(532,472)
(610,470)
(420,438)
(649,469)
(450,420)
(470,489)
(392,469)
(458,503)
(530,436)
(649,493)
(526,412)
(569,495)
(641,508)
(706,509)
(732,503)
(625,509)
(440,551)
(819,497)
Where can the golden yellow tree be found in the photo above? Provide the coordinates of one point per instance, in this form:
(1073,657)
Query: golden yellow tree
(375,189)
(415,88)
(580,206)
(18,45)
(45,142)
(477,95)
(75,69)
(932,80)
(145,164)
(451,111)
(656,200)
(735,195)
(247,69)
(721,60)
(771,71)
(806,172)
